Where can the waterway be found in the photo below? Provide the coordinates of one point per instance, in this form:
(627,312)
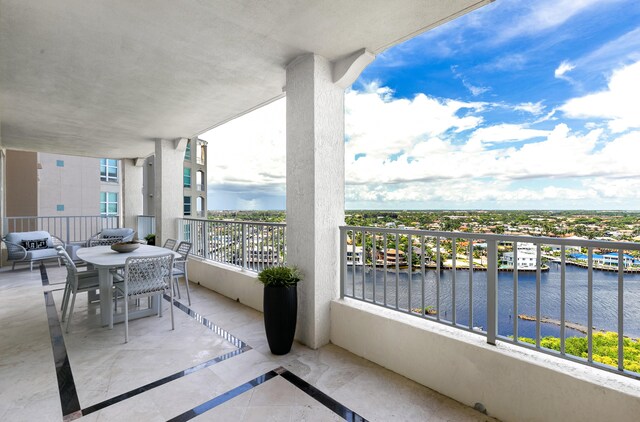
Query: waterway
(605,297)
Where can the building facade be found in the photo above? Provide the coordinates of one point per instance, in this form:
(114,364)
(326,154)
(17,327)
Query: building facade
(54,185)
(194,181)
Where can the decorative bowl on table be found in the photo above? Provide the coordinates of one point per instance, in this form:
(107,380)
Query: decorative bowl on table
(124,247)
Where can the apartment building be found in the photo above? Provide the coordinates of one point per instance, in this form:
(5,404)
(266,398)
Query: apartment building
(54,185)
(194,181)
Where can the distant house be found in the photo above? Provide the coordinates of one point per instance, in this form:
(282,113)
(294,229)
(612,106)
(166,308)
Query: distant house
(354,255)
(527,257)
(393,256)
(610,259)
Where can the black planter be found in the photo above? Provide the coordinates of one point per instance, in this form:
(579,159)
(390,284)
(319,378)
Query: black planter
(280,313)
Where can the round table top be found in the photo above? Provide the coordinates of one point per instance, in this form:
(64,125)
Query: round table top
(104,256)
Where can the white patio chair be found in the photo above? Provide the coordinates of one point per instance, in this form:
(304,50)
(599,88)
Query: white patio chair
(180,268)
(77,282)
(170,244)
(146,277)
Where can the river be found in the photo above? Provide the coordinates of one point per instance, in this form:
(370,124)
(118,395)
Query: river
(605,296)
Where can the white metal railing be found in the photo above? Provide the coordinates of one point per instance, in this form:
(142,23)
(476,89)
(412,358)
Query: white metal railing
(485,284)
(146,225)
(249,245)
(200,187)
(67,228)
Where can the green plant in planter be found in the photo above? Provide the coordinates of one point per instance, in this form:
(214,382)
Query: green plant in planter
(280,305)
(150,238)
(280,276)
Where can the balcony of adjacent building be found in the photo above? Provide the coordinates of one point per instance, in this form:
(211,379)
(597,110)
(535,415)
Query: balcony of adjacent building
(118,90)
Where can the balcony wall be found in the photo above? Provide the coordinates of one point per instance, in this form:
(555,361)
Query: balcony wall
(513,384)
(235,283)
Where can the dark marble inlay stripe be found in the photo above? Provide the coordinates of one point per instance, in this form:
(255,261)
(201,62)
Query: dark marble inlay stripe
(337,408)
(66,385)
(217,401)
(162,381)
(43,274)
(204,321)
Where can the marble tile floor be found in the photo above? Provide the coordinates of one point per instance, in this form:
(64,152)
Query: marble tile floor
(215,366)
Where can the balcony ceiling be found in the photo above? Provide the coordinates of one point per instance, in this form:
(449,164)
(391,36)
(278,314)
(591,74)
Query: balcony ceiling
(105,79)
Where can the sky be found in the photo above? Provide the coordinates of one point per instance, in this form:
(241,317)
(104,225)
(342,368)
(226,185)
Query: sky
(517,105)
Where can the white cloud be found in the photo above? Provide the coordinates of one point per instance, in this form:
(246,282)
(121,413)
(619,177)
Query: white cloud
(563,68)
(249,150)
(421,134)
(474,90)
(616,53)
(505,133)
(379,125)
(533,108)
(542,16)
(618,104)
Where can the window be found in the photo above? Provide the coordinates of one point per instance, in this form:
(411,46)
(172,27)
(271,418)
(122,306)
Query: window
(108,203)
(200,206)
(108,170)
(187,151)
(186,178)
(187,205)
(60,163)
(59,207)
(201,153)
(200,180)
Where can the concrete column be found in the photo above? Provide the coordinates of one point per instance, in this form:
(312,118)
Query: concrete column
(315,190)
(132,195)
(168,187)
(3,199)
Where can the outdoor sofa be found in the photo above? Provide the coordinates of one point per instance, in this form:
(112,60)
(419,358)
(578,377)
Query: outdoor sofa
(31,247)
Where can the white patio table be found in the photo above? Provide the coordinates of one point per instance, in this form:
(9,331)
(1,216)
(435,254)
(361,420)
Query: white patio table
(105,259)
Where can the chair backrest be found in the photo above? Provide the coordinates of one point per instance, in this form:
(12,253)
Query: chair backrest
(148,274)
(125,233)
(72,270)
(183,249)
(107,241)
(169,244)
(108,237)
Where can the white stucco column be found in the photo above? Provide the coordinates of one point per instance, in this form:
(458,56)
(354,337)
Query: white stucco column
(315,190)
(168,192)
(132,195)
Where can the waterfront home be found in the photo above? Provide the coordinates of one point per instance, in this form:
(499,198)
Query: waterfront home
(354,255)
(609,259)
(393,256)
(526,257)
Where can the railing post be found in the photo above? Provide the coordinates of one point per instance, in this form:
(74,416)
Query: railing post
(68,231)
(244,246)
(343,260)
(492,290)
(203,235)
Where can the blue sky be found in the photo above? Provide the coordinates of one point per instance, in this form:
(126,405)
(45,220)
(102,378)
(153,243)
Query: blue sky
(518,105)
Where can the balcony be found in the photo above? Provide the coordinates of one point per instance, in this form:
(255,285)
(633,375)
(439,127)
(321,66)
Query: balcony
(219,366)
(315,53)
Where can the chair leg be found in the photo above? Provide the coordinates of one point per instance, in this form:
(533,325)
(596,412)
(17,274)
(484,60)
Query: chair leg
(173,327)
(186,280)
(73,301)
(126,320)
(65,302)
(177,288)
(13,267)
